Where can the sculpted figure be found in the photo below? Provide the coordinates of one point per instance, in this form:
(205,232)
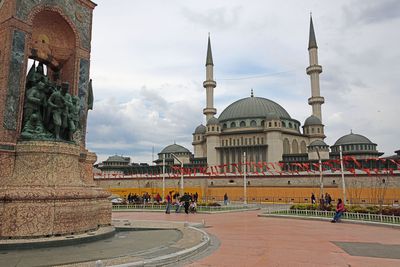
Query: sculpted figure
(34,129)
(60,102)
(35,101)
(73,117)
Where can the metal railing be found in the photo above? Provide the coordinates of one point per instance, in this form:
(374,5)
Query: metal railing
(391,219)
(199,208)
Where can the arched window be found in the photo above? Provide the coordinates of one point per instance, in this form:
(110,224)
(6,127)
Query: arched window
(269,124)
(290,125)
(253,123)
(276,124)
(224,126)
(312,130)
(303,147)
(233,124)
(295,147)
(283,124)
(212,128)
(318,130)
(242,124)
(286,146)
(263,123)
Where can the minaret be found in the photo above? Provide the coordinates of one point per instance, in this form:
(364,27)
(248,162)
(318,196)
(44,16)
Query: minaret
(209,84)
(314,70)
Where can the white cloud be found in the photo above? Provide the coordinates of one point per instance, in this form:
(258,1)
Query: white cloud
(148,67)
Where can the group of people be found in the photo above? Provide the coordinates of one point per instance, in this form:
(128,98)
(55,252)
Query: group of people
(49,109)
(327,201)
(188,201)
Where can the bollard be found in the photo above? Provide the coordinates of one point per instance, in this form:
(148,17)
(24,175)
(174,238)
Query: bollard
(99,263)
(203,222)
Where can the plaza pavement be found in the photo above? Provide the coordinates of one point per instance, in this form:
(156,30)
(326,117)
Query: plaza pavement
(248,240)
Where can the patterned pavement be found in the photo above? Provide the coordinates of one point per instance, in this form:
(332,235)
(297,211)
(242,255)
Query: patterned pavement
(248,240)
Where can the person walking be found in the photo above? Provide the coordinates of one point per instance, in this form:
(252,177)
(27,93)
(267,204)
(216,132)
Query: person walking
(186,199)
(168,202)
(312,198)
(339,210)
(226,199)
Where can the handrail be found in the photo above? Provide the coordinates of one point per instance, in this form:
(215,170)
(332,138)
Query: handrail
(391,219)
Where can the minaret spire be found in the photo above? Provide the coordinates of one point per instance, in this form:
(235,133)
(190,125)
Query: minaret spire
(209,60)
(209,84)
(312,42)
(316,100)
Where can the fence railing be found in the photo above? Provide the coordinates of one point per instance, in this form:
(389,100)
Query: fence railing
(199,208)
(392,219)
(301,200)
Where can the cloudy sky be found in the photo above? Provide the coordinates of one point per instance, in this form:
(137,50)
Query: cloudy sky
(148,62)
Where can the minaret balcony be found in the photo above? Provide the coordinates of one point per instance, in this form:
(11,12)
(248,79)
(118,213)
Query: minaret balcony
(313,69)
(210,111)
(316,100)
(209,83)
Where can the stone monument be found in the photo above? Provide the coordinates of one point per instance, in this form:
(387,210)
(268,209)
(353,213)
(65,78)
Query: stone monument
(46,178)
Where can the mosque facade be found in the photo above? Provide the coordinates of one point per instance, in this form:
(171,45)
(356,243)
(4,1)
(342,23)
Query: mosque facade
(264,131)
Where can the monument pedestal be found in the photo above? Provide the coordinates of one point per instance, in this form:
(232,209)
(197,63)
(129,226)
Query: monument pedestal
(51,192)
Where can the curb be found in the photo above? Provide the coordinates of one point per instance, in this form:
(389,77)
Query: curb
(66,240)
(174,257)
(397,226)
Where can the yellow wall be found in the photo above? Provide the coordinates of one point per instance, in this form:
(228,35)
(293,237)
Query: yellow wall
(274,194)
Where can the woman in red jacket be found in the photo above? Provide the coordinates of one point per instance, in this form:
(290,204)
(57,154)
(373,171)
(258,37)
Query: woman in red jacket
(339,210)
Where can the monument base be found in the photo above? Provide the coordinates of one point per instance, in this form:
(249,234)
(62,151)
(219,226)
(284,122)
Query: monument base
(51,192)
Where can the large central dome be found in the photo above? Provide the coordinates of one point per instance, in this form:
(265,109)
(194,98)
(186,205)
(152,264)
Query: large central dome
(252,107)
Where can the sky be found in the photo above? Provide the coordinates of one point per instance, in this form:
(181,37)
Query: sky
(148,67)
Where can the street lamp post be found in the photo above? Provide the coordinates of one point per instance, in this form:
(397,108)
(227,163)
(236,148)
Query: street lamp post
(244,179)
(342,172)
(177,159)
(321,182)
(163,177)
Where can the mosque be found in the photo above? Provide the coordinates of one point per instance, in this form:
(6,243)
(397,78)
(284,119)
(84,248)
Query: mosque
(256,129)
(264,131)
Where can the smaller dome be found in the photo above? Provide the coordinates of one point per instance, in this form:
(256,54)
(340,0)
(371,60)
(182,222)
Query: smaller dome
(352,139)
(174,149)
(272,116)
(117,158)
(201,129)
(317,143)
(212,121)
(312,120)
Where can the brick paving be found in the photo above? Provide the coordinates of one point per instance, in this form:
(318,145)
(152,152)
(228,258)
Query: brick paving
(248,240)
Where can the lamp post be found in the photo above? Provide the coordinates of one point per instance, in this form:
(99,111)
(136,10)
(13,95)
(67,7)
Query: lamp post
(321,183)
(342,171)
(244,179)
(177,159)
(163,177)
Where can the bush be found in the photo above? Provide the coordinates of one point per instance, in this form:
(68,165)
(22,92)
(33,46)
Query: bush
(211,204)
(304,207)
(385,210)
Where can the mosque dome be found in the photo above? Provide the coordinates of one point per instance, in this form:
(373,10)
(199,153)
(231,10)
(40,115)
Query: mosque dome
(252,107)
(352,139)
(201,129)
(312,120)
(213,121)
(271,116)
(174,149)
(318,143)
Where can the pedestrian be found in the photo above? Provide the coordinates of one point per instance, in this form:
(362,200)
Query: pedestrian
(186,199)
(168,202)
(339,210)
(226,199)
(312,198)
